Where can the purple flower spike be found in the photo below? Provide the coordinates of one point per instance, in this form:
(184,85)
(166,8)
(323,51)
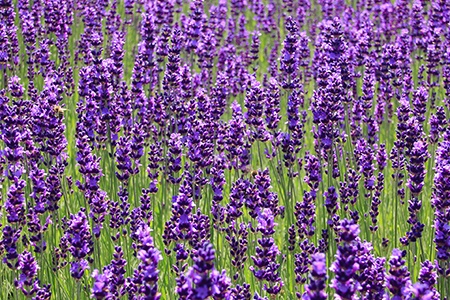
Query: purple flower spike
(203,280)
(28,268)
(315,290)
(265,260)
(420,291)
(441,205)
(145,277)
(398,281)
(81,244)
(100,288)
(346,263)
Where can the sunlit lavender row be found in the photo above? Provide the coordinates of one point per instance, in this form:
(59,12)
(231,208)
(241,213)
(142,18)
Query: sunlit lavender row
(242,149)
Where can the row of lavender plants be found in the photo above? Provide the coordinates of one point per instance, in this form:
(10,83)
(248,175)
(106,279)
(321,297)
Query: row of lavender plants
(242,149)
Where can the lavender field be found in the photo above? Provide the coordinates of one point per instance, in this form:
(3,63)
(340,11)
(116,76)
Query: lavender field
(241,149)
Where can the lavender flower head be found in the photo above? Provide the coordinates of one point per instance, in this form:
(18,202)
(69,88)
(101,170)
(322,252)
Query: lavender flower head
(81,245)
(315,290)
(346,263)
(203,281)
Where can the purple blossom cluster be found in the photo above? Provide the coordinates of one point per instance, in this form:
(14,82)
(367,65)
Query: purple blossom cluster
(242,149)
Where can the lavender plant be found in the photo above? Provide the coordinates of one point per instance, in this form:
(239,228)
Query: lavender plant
(195,149)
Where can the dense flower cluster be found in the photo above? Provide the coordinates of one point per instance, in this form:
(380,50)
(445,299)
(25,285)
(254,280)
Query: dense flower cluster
(241,149)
